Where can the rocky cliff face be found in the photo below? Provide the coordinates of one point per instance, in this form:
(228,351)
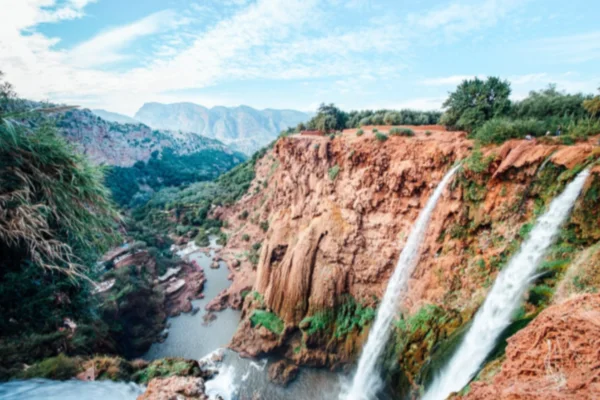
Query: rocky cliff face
(243,128)
(112,143)
(330,217)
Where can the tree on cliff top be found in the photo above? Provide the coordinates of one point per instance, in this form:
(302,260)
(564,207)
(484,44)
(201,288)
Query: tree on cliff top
(476,101)
(328,118)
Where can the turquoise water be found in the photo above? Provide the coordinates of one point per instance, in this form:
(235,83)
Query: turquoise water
(44,389)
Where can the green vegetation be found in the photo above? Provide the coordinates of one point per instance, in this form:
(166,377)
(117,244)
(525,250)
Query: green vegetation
(380,136)
(166,367)
(267,319)
(264,225)
(59,368)
(330,118)
(185,210)
(402,132)
(476,101)
(246,237)
(167,169)
(333,172)
(337,323)
(360,132)
(483,108)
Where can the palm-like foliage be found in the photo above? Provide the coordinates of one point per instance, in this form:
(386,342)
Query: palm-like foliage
(54,209)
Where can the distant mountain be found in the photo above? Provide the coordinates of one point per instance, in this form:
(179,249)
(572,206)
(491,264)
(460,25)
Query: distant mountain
(123,145)
(115,117)
(243,128)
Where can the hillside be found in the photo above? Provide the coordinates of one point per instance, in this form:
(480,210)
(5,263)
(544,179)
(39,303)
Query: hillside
(330,216)
(111,143)
(115,117)
(243,128)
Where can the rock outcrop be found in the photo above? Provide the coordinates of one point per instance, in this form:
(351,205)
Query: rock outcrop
(328,216)
(557,356)
(175,387)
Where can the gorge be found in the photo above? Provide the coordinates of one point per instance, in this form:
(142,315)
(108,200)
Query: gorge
(370,262)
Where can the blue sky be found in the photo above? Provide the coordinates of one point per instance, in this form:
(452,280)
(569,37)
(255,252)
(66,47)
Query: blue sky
(117,55)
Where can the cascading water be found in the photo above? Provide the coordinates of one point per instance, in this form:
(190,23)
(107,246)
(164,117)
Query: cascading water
(367,380)
(505,296)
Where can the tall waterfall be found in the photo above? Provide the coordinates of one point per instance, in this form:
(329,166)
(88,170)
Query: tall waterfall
(367,381)
(505,296)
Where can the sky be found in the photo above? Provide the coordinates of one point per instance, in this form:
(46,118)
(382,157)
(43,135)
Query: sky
(295,54)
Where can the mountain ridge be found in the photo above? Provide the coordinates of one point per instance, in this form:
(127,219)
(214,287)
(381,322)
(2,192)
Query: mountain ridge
(242,127)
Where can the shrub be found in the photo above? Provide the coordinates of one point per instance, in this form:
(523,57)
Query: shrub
(499,130)
(375,130)
(267,319)
(333,172)
(359,132)
(264,225)
(243,215)
(246,237)
(202,239)
(381,137)
(427,133)
(402,132)
(60,368)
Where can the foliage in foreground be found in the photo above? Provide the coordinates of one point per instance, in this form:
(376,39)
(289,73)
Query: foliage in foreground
(267,319)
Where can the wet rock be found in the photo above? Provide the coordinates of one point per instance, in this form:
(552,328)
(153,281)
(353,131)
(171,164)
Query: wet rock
(209,317)
(214,264)
(175,388)
(282,372)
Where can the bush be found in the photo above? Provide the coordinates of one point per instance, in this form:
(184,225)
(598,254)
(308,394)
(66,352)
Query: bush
(202,239)
(427,133)
(381,137)
(333,172)
(499,130)
(246,237)
(243,215)
(402,132)
(59,368)
(359,132)
(264,225)
(267,319)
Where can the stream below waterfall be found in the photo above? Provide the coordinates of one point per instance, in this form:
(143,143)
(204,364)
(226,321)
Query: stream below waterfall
(190,337)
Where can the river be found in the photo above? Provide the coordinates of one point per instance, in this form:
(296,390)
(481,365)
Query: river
(190,337)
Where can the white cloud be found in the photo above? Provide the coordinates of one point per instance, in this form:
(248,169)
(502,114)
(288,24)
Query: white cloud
(462,17)
(452,80)
(571,49)
(105,48)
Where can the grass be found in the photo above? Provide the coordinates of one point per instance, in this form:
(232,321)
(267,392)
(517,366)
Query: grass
(267,319)
(59,368)
(333,172)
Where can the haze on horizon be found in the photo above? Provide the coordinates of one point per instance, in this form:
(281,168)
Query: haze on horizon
(292,54)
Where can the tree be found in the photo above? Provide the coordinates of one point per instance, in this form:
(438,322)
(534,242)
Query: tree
(593,105)
(328,118)
(476,101)
(550,103)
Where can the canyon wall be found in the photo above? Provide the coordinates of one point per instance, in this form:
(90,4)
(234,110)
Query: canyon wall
(330,216)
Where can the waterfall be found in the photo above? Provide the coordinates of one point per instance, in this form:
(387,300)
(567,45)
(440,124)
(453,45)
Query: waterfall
(505,296)
(367,380)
